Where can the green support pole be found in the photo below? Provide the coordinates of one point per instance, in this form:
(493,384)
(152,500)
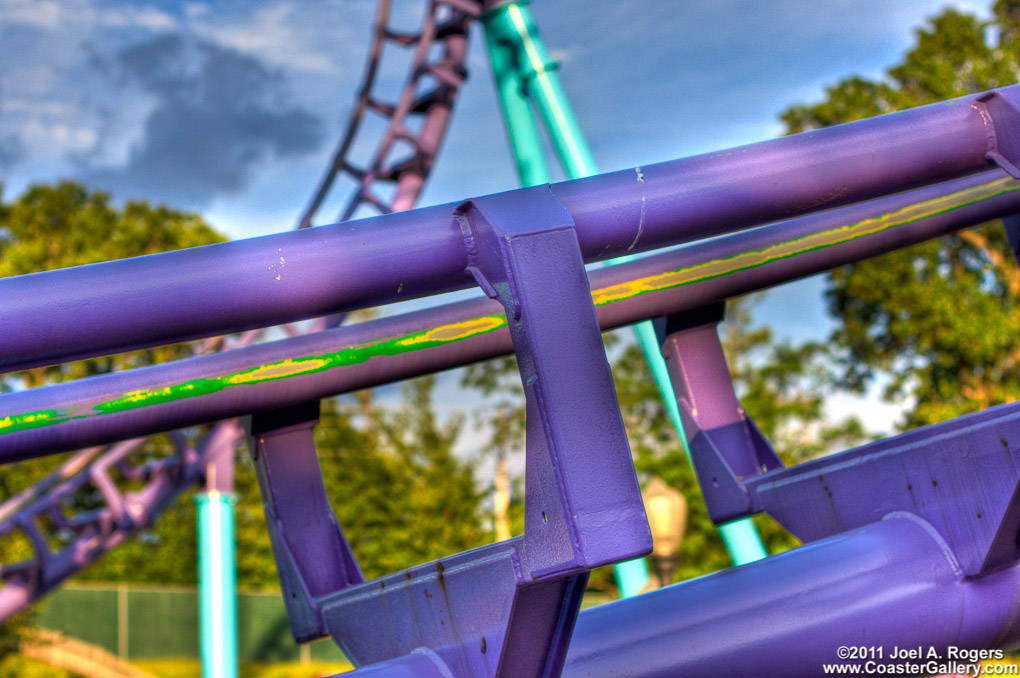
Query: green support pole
(512,25)
(520,124)
(512,28)
(217,585)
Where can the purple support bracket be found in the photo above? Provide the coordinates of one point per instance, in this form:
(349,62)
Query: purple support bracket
(961,477)
(312,555)
(523,251)
(506,609)
(726,447)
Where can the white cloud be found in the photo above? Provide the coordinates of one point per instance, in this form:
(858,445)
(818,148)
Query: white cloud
(49,108)
(58,139)
(278,33)
(131,16)
(196,10)
(82,15)
(46,14)
(877,415)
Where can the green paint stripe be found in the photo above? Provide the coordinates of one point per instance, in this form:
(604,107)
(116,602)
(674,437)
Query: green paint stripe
(358,353)
(810,243)
(473,327)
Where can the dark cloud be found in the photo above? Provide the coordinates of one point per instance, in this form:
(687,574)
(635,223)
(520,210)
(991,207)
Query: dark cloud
(11,151)
(218,114)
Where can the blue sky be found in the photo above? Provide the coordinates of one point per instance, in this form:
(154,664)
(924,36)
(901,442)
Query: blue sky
(232,108)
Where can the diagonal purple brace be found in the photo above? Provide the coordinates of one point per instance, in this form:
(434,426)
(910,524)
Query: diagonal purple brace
(726,447)
(312,555)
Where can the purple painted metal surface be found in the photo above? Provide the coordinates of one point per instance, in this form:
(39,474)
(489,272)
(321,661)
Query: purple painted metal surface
(892,583)
(583,506)
(280,278)
(312,555)
(912,540)
(726,447)
(101,530)
(960,476)
(87,536)
(507,609)
(90,534)
(414,665)
(644,302)
(892,578)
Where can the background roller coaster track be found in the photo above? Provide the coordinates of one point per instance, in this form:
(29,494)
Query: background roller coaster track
(390,181)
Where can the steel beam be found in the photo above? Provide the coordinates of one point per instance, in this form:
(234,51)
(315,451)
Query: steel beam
(789,614)
(892,583)
(890,559)
(505,610)
(175,296)
(147,400)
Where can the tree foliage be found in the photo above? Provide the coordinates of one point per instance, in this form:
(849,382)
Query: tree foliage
(400,494)
(399,491)
(63,225)
(936,322)
(50,227)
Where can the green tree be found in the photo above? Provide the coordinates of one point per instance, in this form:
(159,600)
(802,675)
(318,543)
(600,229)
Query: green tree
(401,495)
(936,322)
(51,227)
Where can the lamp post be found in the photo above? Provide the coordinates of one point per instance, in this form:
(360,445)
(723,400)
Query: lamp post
(667,518)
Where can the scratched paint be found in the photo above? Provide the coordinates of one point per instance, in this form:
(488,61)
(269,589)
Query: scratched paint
(459,331)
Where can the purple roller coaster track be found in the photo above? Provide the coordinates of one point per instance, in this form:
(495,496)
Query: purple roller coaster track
(909,541)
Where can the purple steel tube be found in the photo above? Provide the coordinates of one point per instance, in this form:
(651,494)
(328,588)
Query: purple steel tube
(164,298)
(83,427)
(891,583)
(417,665)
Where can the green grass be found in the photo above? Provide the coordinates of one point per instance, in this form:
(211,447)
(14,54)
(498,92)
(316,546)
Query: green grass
(191,668)
(17,666)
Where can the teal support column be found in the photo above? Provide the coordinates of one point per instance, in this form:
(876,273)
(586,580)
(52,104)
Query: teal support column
(217,585)
(516,107)
(513,24)
(512,27)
